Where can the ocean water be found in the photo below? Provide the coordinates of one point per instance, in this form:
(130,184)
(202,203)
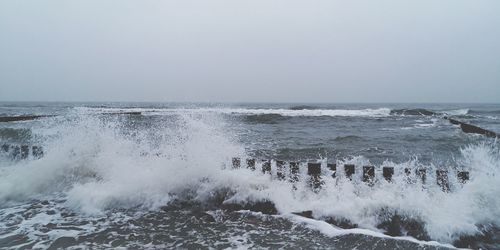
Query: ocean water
(164,178)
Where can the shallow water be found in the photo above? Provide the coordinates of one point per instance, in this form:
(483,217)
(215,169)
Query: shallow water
(164,178)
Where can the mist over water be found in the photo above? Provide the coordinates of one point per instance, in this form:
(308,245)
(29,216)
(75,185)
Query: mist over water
(165,177)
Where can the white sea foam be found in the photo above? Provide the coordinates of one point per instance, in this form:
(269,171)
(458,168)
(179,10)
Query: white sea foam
(98,165)
(456,112)
(333,231)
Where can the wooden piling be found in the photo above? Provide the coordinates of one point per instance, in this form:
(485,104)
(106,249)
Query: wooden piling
(349,170)
(463,176)
(266,167)
(236,162)
(251,164)
(407,171)
(15,151)
(333,168)
(314,171)
(280,170)
(294,171)
(25,151)
(421,172)
(442,180)
(37,151)
(388,172)
(5,148)
(313,168)
(368,174)
(408,176)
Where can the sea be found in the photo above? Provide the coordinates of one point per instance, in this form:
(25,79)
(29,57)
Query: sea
(175,175)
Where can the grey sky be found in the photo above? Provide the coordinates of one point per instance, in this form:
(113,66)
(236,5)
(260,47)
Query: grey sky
(253,50)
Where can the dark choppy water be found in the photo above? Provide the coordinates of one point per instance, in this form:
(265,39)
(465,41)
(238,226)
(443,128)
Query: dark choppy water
(163,179)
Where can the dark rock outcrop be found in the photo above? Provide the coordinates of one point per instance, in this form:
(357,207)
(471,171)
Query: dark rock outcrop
(472,129)
(265,207)
(22,118)
(397,225)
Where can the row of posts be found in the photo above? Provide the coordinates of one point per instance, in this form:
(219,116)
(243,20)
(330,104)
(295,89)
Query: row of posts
(22,151)
(314,171)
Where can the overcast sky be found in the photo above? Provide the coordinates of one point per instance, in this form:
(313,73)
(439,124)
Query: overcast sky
(254,50)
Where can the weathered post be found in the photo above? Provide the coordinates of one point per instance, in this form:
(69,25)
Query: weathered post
(388,172)
(421,173)
(349,170)
(463,176)
(314,171)
(408,176)
(16,151)
(25,151)
(280,170)
(251,164)
(368,174)
(37,152)
(266,167)
(333,168)
(236,162)
(442,180)
(294,171)
(5,148)
(407,171)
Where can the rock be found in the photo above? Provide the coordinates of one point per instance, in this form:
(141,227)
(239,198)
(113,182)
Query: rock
(340,222)
(22,118)
(403,226)
(468,128)
(486,238)
(307,214)
(265,207)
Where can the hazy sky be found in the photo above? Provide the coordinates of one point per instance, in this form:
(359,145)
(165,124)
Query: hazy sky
(253,50)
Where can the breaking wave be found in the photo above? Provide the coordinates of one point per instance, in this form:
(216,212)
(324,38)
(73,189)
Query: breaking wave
(303,107)
(426,112)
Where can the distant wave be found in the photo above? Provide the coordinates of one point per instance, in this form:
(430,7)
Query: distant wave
(426,112)
(303,107)
(456,112)
(381,112)
(287,112)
